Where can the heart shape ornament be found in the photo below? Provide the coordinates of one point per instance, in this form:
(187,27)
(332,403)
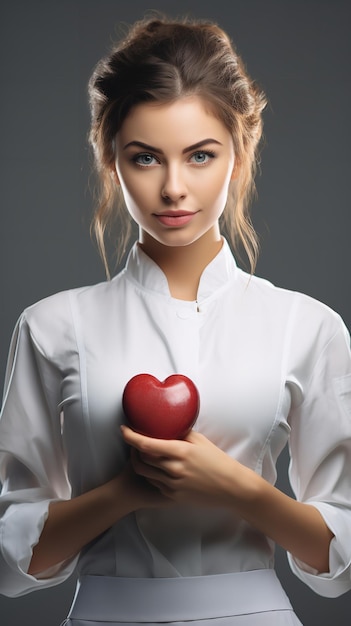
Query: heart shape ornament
(165,410)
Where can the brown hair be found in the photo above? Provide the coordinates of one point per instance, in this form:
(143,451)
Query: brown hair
(162,60)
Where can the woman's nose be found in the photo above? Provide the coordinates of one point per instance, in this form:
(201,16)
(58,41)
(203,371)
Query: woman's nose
(174,187)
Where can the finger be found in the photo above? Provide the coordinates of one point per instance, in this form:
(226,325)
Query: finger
(148,445)
(154,473)
(194,437)
(167,474)
(152,459)
(137,440)
(163,489)
(147,471)
(170,467)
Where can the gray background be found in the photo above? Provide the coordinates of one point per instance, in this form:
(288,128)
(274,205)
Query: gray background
(299,52)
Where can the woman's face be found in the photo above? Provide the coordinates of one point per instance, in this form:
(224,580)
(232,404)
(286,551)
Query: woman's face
(174,163)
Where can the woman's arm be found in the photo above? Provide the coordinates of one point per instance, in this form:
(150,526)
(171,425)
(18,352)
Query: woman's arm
(71,524)
(196,471)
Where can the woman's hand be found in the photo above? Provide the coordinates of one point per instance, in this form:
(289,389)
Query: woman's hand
(71,524)
(192,470)
(195,471)
(139,491)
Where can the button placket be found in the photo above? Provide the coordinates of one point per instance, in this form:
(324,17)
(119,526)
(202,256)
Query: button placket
(186,341)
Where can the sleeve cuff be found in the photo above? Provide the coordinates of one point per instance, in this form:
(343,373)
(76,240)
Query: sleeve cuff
(338,580)
(20,529)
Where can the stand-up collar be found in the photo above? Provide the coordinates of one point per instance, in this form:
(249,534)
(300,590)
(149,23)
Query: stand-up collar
(141,269)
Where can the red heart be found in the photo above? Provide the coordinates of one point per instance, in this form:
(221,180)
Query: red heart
(166,410)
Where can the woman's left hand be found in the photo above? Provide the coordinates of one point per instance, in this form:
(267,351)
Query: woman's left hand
(197,472)
(192,470)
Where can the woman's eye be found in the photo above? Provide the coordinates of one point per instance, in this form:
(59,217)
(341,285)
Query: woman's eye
(201,158)
(144,159)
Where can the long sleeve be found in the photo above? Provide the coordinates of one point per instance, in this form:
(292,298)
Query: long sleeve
(267,363)
(321,458)
(32,462)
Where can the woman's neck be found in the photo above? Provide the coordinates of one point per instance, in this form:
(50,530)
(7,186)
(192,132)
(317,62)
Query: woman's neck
(183,265)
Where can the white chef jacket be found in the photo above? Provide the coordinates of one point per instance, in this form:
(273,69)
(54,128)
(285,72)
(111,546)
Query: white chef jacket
(271,366)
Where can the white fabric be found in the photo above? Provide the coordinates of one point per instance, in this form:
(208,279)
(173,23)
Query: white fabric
(268,363)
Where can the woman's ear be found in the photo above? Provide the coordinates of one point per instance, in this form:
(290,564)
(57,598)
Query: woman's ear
(114,175)
(236,170)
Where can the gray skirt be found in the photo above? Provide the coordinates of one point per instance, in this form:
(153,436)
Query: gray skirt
(254,598)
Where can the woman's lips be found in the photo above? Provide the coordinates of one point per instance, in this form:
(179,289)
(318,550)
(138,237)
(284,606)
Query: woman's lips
(174,219)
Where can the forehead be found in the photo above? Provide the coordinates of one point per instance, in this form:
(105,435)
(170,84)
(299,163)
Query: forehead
(180,123)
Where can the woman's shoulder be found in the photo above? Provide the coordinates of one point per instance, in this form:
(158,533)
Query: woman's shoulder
(58,305)
(52,321)
(303,309)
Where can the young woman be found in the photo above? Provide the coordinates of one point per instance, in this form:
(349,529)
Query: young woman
(176,530)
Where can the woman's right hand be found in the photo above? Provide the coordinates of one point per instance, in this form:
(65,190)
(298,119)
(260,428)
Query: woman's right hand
(71,524)
(139,492)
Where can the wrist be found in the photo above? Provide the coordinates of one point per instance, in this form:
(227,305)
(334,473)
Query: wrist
(243,487)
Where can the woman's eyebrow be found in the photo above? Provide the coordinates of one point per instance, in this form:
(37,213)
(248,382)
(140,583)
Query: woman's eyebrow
(200,144)
(194,146)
